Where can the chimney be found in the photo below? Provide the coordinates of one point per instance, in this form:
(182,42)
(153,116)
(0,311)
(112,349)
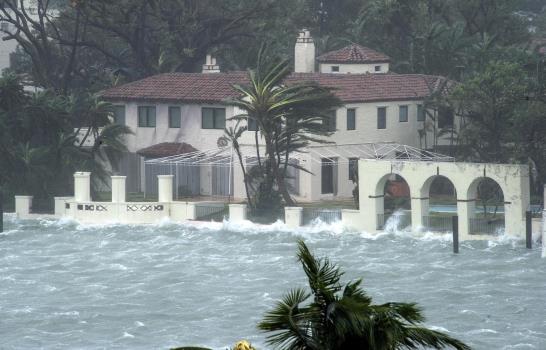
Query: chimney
(304,55)
(210,65)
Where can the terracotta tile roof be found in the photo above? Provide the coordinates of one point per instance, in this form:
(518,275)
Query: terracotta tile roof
(166,149)
(354,54)
(217,87)
(184,87)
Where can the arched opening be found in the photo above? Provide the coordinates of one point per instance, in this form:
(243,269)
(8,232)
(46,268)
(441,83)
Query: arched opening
(487,212)
(442,204)
(395,192)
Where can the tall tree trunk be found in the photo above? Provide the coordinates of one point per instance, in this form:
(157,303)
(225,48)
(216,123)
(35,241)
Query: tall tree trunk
(279,178)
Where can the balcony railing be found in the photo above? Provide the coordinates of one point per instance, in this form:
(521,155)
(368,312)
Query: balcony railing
(438,223)
(397,220)
(325,215)
(486,226)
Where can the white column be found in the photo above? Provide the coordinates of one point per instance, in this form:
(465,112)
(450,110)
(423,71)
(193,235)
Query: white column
(465,211)
(191,211)
(237,212)
(118,189)
(419,208)
(82,187)
(23,205)
(544,226)
(60,206)
(293,216)
(544,233)
(165,188)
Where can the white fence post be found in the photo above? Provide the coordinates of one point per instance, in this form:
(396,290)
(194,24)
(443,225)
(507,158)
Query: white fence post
(165,188)
(118,189)
(237,212)
(293,216)
(82,187)
(23,205)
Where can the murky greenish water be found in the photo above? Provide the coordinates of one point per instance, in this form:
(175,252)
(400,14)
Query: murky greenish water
(65,285)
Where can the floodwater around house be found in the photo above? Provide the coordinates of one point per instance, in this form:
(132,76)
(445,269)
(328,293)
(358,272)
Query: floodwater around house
(65,285)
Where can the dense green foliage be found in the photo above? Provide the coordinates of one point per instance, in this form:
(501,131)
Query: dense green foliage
(288,117)
(334,316)
(39,147)
(489,46)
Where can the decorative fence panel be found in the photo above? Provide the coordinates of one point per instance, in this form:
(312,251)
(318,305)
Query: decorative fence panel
(396,220)
(486,226)
(438,223)
(325,215)
(211,212)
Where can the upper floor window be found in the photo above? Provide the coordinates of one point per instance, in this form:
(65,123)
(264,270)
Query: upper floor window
(403,113)
(446,117)
(353,169)
(213,118)
(146,116)
(330,122)
(381,117)
(119,114)
(175,117)
(335,68)
(351,119)
(420,113)
(252,125)
(377,68)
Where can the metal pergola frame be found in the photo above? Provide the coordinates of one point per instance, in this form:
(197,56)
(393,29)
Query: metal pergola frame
(339,154)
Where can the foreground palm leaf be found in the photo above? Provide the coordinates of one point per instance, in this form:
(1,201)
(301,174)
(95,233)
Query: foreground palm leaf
(343,317)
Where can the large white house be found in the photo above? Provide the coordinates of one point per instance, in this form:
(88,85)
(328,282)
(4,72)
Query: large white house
(175,113)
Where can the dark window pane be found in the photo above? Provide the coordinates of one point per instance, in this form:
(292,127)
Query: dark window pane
(445,117)
(353,169)
(403,114)
(174,117)
(351,119)
(382,117)
(335,68)
(141,116)
(146,116)
(219,118)
(378,68)
(207,118)
(332,121)
(252,125)
(151,117)
(119,114)
(420,113)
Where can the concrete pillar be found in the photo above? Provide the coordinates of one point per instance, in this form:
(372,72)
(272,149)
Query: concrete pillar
(293,216)
(82,187)
(23,204)
(60,206)
(544,225)
(419,208)
(118,189)
(191,211)
(165,188)
(237,212)
(465,211)
(544,233)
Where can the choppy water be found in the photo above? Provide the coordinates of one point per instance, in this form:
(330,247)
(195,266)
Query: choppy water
(64,285)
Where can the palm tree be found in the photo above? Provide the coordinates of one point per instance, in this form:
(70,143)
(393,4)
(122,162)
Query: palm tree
(343,317)
(288,116)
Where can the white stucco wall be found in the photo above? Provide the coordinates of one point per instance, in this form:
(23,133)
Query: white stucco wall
(354,68)
(513,180)
(206,139)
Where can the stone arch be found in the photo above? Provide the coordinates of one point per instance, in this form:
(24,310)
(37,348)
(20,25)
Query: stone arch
(380,194)
(436,221)
(484,223)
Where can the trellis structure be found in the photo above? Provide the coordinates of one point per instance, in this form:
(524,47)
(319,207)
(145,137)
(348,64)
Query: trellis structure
(193,170)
